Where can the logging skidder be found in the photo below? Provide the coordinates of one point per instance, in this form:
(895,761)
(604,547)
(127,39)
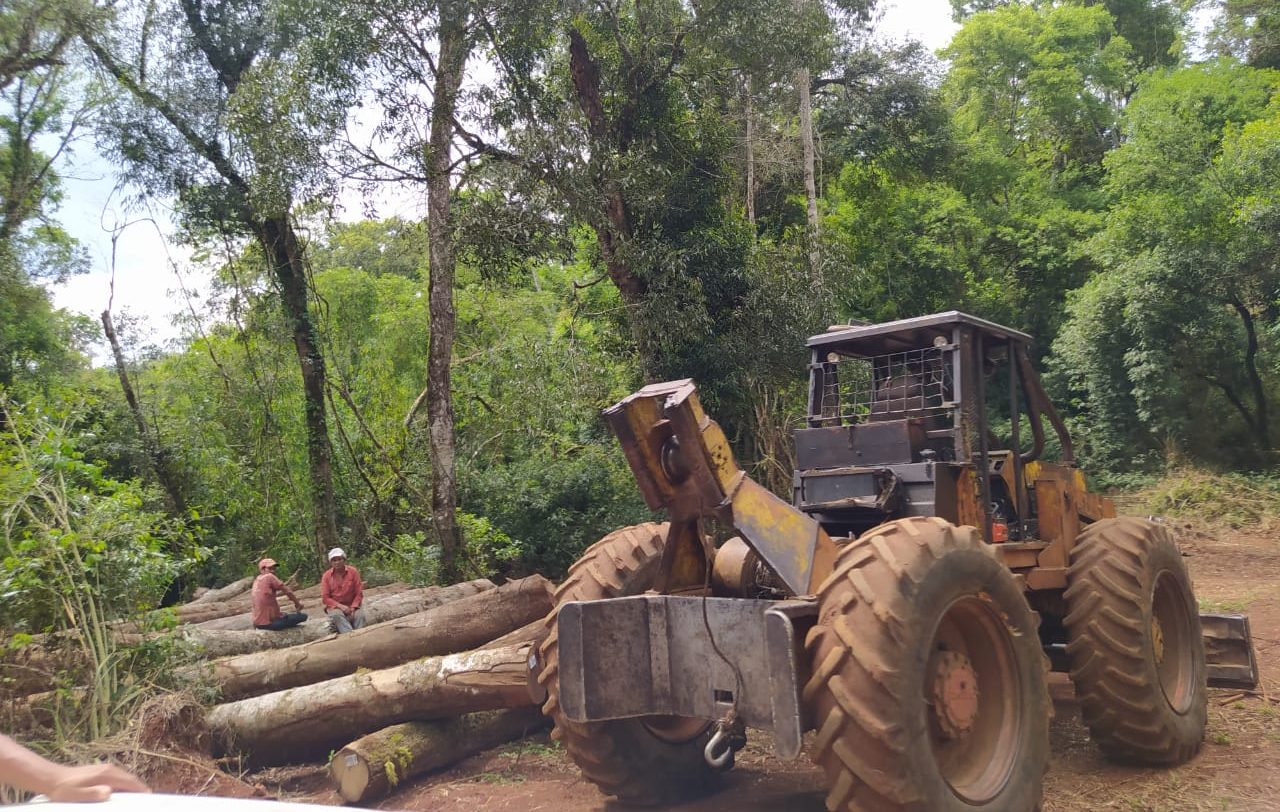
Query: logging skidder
(904,605)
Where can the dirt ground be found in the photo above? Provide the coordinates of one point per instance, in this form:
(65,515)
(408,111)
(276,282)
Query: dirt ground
(1237,769)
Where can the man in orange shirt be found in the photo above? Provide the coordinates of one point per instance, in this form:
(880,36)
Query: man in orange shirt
(266,609)
(342,592)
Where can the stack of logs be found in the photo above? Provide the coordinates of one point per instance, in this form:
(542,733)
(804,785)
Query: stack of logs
(439,674)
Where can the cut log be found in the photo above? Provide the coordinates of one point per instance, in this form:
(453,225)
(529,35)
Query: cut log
(243,602)
(459,625)
(226,643)
(371,766)
(311,603)
(309,721)
(221,594)
(534,632)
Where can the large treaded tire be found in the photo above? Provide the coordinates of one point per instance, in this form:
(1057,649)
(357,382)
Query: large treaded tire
(623,758)
(884,614)
(1141,683)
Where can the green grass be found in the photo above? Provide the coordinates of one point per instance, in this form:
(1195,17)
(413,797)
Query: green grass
(1233,499)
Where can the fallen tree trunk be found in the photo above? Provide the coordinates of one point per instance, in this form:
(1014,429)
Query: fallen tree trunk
(226,643)
(310,603)
(533,632)
(221,594)
(309,721)
(371,766)
(201,612)
(459,625)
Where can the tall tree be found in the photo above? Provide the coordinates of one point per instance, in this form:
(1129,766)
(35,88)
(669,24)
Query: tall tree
(1176,331)
(232,103)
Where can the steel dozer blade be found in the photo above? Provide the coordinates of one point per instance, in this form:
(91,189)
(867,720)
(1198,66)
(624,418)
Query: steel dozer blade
(1228,651)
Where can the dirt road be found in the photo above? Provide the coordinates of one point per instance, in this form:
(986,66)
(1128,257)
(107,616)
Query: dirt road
(1238,768)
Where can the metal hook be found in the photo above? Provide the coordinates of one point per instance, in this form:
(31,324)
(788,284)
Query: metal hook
(719,739)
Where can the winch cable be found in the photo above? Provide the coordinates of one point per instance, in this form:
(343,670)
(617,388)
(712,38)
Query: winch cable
(730,717)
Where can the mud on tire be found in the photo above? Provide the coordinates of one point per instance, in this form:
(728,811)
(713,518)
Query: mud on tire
(913,605)
(1137,658)
(640,762)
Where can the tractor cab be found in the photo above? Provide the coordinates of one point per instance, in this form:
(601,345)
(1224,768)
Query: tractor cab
(898,426)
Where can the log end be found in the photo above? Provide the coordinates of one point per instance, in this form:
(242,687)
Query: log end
(350,774)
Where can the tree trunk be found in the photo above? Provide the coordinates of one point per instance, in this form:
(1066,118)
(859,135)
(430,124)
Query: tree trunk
(160,462)
(281,245)
(231,590)
(612,225)
(311,720)
(454,50)
(461,625)
(1262,421)
(370,767)
(810,172)
(533,632)
(751,157)
(242,620)
(226,643)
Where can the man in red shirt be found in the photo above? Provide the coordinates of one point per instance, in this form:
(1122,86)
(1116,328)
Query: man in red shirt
(342,592)
(266,609)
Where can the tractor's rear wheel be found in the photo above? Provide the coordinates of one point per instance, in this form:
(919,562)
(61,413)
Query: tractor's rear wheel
(928,688)
(1137,658)
(641,761)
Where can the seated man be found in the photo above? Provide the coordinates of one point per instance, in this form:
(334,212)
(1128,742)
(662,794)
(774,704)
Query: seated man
(342,592)
(266,609)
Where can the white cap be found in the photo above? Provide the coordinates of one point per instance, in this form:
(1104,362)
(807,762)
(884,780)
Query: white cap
(336,552)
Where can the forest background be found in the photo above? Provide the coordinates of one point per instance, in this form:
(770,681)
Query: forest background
(617,192)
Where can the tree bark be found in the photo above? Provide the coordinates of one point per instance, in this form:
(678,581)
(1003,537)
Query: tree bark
(612,225)
(372,766)
(280,242)
(1262,422)
(460,625)
(226,643)
(454,50)
(810,172)
(751,157)
(533,632)
(160,461)
(311,720)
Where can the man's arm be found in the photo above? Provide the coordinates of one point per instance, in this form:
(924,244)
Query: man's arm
(283,587)
(21,768)
(359,598)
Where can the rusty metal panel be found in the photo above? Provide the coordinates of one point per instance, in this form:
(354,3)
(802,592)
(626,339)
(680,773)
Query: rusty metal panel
(1018,555)
(784,537)
(651,655)
(1228,651)
(1059,521)
(1047,578)
(968,511)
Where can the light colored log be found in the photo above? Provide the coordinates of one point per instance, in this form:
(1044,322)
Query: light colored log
(224,593)
(226,643)
(370,767)
(311,602)
(309,721)
(459,625)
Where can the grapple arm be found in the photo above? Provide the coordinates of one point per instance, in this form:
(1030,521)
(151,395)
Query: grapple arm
(683,464)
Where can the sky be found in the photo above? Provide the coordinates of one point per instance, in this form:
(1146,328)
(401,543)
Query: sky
(153,276)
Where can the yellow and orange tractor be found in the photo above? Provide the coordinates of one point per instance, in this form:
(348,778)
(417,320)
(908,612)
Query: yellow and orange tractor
(905,606)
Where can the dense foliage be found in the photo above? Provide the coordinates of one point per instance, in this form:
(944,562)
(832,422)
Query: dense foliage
(621,197)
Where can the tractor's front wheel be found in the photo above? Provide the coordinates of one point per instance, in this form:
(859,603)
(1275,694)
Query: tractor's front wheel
(1137,657)
(928,688)
(641,761)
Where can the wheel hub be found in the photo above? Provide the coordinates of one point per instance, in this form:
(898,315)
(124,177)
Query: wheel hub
(1157,639)
(955,694)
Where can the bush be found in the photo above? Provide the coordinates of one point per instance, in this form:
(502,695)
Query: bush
(80,551)
(1234,499)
